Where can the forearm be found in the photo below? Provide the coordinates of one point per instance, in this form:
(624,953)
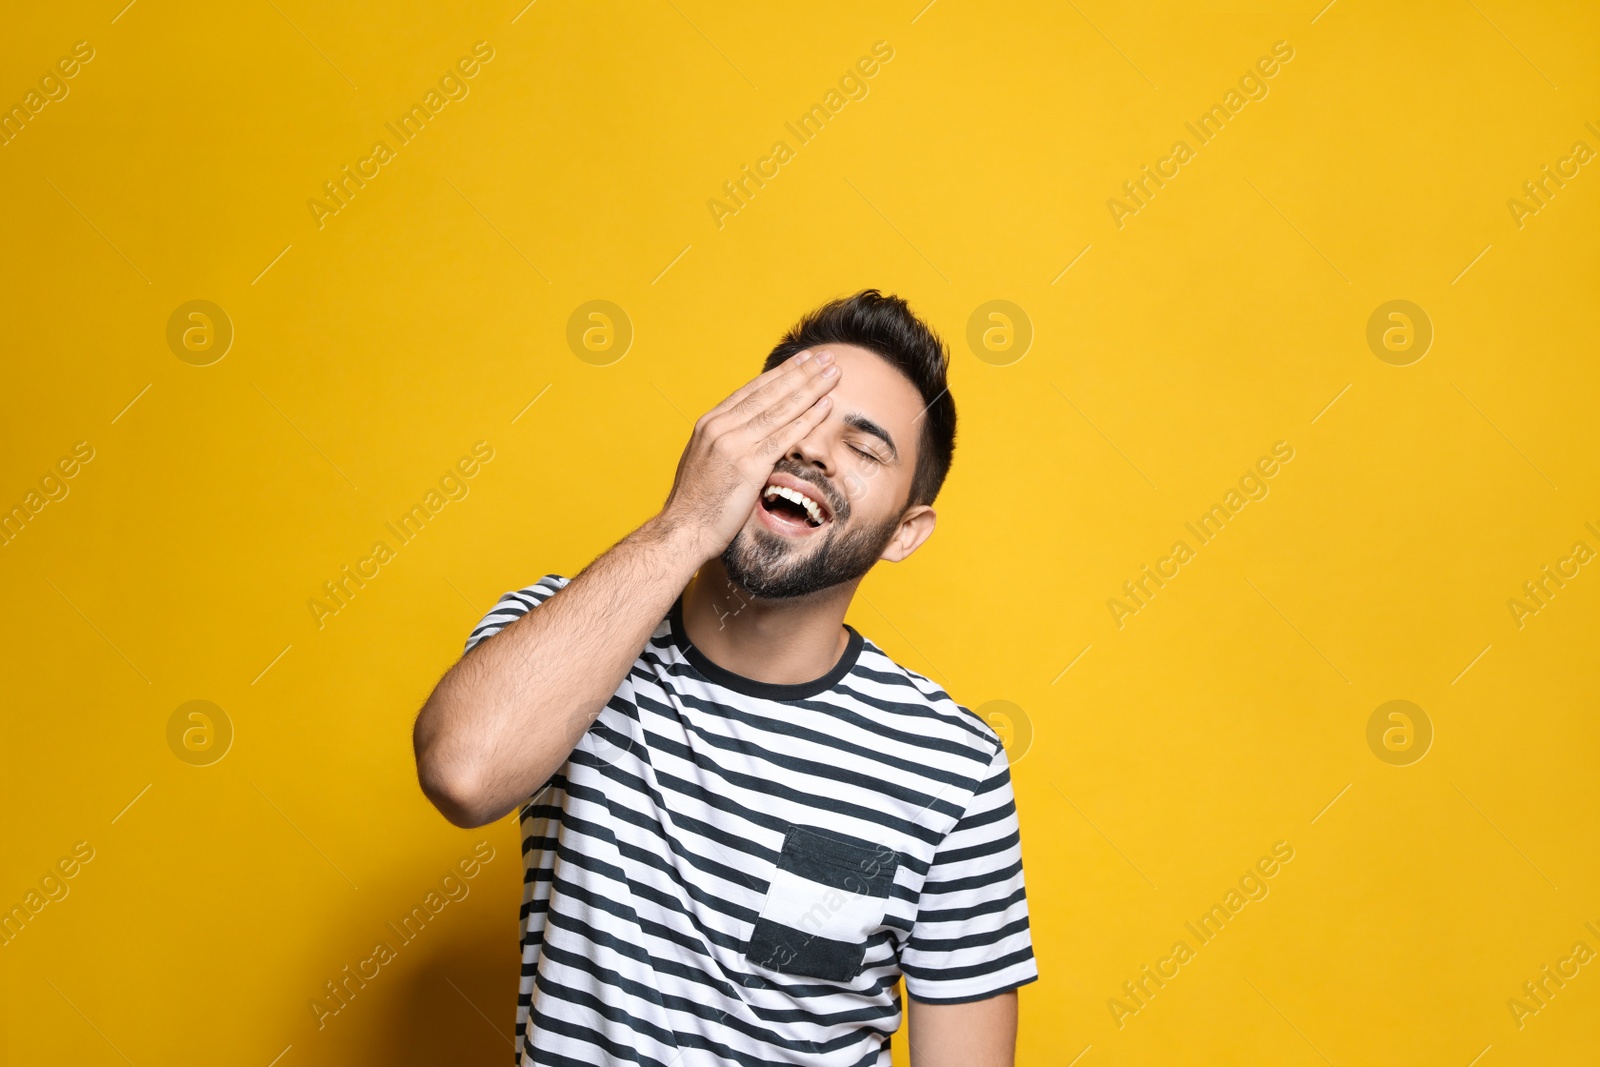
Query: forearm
(508,714)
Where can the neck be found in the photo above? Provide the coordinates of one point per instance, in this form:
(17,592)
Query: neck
(784,642)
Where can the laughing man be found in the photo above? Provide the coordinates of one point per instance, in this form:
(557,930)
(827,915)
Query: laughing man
(743,823)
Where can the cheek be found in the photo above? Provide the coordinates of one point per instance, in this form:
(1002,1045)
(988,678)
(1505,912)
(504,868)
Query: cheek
(875,495)
(856,485)
(864,482)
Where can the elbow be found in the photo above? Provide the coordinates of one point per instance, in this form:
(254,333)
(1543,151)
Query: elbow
(459,796)
(455,787)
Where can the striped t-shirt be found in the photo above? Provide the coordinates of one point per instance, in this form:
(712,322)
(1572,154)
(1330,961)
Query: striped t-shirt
(727,871)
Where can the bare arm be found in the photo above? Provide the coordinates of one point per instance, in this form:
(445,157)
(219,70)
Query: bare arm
(982,1033)
(508,714)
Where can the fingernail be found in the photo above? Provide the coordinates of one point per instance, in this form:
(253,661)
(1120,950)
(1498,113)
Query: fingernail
(829,372)
(803,357)
(824,357)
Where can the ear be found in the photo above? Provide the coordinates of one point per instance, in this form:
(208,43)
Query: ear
(916,526)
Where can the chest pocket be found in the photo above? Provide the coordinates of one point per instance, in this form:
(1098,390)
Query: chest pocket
(828,893)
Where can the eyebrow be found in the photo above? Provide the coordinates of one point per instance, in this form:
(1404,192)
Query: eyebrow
(857,421)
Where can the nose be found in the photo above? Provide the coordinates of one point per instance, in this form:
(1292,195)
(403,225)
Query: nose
(813,451)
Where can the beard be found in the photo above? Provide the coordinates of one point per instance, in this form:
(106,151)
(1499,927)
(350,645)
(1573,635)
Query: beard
(766,565)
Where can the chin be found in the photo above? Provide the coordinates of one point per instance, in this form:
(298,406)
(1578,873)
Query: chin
(770,566)
(766,567)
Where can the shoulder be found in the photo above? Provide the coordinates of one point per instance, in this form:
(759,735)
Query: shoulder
(533,595)
(926,707)
(513,605)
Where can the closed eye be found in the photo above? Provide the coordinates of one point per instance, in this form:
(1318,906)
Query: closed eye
(868,455)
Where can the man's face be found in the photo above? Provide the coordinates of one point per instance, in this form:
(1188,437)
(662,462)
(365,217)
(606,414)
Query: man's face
(854,471)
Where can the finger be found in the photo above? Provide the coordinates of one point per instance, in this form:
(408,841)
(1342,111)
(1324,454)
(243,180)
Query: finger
(785,437)
(783,399)
(762,380)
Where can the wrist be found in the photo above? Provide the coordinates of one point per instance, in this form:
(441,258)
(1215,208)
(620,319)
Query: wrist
(682,541)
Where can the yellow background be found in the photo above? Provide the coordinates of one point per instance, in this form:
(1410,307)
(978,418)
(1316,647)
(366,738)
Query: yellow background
(1224,316)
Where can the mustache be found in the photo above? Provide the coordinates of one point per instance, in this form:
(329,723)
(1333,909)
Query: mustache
(838,506)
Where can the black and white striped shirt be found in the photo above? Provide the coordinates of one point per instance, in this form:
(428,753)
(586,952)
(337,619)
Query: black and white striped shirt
(727,871)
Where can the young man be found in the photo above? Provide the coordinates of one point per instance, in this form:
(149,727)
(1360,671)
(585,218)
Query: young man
(742,822)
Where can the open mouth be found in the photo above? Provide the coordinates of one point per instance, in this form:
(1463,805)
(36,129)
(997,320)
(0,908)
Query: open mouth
(792,509)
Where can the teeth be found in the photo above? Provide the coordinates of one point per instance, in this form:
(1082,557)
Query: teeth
(796,497)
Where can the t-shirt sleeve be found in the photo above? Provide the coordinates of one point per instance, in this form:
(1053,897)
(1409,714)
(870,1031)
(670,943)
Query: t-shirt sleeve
(513,606)
(971,938)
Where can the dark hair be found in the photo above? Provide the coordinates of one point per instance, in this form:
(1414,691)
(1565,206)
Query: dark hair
(886,326)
